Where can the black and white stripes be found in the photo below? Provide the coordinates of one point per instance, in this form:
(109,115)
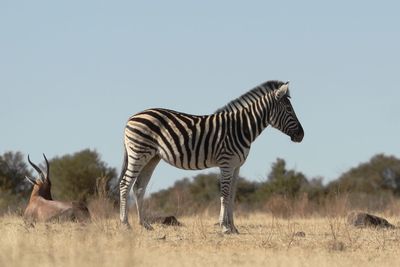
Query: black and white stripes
(222,139)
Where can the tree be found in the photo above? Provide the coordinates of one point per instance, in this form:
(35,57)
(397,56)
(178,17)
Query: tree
(245,190)
(281,181)
(13,187)
(173,200)
(74,176)
(380,174)
(187,195)
(13,170)
(205,187)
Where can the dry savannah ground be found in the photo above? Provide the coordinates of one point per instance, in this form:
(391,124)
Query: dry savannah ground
(264,241)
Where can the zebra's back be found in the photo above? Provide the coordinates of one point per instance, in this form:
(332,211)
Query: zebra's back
(183,140)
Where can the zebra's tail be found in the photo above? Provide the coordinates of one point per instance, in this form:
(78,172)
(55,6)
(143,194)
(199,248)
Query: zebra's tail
(124,166)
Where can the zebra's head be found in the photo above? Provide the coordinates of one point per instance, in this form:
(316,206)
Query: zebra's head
(282,115)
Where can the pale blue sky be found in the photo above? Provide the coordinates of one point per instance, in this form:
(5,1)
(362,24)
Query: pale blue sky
(71,74)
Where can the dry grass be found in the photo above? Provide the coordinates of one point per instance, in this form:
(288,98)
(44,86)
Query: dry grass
(264,241)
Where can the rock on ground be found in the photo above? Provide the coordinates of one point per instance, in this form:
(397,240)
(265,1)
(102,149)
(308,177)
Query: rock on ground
(165,220)
(362,219)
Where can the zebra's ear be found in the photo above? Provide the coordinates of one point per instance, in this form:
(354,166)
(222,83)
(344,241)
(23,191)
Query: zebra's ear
(282,91)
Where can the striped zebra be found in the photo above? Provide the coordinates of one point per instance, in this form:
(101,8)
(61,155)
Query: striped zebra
(191,142)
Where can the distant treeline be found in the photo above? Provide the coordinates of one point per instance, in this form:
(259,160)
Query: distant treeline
(373,185)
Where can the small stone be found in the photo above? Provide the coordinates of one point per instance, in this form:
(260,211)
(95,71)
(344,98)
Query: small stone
(300,234)
(164,237)
(336,246)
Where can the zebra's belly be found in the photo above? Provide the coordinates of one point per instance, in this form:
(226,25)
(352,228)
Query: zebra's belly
(189,167)
(188,159)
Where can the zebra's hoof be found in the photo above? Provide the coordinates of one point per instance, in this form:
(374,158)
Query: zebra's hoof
(126,227)
(147,226)
(235,231)
(229,230)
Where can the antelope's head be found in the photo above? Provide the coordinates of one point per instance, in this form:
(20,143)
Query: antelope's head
(41,184)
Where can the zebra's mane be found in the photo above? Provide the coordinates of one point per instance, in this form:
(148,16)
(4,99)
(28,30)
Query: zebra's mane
(251,96)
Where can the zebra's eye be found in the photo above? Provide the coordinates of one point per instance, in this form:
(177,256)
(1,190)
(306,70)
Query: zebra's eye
(289,109)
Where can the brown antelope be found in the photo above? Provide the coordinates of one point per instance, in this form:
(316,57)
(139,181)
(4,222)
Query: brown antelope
(42,207)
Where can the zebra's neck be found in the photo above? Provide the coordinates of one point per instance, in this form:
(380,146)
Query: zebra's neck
(245,100)
(247,123)
(255,118)
(250,112)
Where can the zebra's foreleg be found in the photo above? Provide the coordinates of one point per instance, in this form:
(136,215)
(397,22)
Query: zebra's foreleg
(139,189)
(232,200)
(226,213)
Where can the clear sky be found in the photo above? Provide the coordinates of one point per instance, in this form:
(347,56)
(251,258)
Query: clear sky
(72,72)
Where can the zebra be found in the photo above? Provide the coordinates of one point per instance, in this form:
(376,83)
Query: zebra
(222,139)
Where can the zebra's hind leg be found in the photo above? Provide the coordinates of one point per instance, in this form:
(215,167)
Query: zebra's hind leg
(139,189)
(125,186)
(133,165)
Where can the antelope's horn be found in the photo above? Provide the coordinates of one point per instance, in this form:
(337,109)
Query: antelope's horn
(36,168)
(47,167)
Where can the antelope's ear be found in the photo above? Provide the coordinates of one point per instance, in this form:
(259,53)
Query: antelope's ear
(30,180)
(282,91)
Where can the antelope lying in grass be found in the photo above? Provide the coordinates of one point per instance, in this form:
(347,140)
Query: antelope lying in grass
(42,207)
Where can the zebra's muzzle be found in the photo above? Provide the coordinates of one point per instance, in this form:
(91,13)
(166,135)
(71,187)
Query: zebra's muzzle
(297,136)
